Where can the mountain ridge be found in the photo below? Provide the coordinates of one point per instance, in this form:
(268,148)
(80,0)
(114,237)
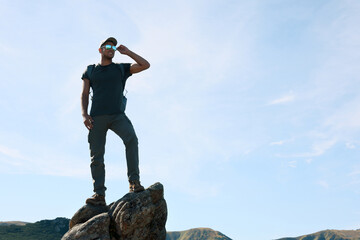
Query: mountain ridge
(329,234)
(17,223)
(56,228)
(196,233)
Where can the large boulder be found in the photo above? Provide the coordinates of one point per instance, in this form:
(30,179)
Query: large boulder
(85,213)
(135,216)
(140,215)
(95,228)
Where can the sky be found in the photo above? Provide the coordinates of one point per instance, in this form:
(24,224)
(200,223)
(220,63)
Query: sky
(249,113)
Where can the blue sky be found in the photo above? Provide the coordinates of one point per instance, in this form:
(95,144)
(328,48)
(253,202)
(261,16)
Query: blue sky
(249,114)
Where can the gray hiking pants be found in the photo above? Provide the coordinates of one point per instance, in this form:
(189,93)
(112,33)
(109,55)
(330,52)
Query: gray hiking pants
(121,125)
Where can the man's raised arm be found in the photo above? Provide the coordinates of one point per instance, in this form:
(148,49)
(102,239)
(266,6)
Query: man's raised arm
(140,65)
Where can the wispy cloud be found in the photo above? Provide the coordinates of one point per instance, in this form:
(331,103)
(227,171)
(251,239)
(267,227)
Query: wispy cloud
(46,162)
(354,173)
(10,152)
(309,160)
(321,147)
(282,142)
(318,148)
(292,164)
(284,99)
(346,118)
(277,143)
(9,51)
(350,145)
(15,156)
(323,184)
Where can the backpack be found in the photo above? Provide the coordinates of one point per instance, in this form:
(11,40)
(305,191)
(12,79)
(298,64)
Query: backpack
(90,70)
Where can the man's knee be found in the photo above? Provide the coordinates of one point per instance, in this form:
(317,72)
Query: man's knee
(97,156)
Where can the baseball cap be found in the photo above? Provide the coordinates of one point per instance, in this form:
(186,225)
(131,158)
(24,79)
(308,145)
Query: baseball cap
(110,39)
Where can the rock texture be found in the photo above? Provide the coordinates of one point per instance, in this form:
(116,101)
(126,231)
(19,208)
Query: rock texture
(85,213)
(145,215)
(135,216)
(95,228)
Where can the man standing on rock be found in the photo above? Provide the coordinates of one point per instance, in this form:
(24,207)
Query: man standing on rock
(107,81)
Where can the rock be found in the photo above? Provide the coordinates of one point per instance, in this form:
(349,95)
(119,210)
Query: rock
(85,213)
(95,228)
(140,215)
(135,216)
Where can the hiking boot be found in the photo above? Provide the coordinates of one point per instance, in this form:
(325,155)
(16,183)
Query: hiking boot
(135,186)
(96,199)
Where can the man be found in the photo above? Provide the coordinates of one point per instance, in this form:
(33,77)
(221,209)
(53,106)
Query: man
(107,81)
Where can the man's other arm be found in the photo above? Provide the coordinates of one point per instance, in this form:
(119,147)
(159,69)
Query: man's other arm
(85,103)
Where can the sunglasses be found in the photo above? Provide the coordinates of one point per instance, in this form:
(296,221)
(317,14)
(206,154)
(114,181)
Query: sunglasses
(109,47)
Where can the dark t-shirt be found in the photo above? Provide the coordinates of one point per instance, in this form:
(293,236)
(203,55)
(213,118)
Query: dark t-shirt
(107,83)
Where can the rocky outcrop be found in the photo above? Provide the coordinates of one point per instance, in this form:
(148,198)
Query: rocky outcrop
(85,213)
(145,215)
(95,228)
(135,216)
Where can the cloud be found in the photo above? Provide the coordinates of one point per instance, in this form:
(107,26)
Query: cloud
(9,52)
(282,100)
(321,147)
(282,142)
(318,148)
(323,184)
(277,143)
(292,164)
(345,119)
(10,152)
(350,145)
(354,173)
(40,160)
(309,160)
(329,98)
(14,154)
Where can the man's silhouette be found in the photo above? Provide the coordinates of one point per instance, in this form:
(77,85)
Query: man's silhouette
(107,81)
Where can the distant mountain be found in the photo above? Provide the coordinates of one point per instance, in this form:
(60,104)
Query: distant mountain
(330,235)
(45,229)
(55,229)
(197,234)
(17,223)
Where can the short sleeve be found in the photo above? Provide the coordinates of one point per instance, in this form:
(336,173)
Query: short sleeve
(127,72)
(85,74)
